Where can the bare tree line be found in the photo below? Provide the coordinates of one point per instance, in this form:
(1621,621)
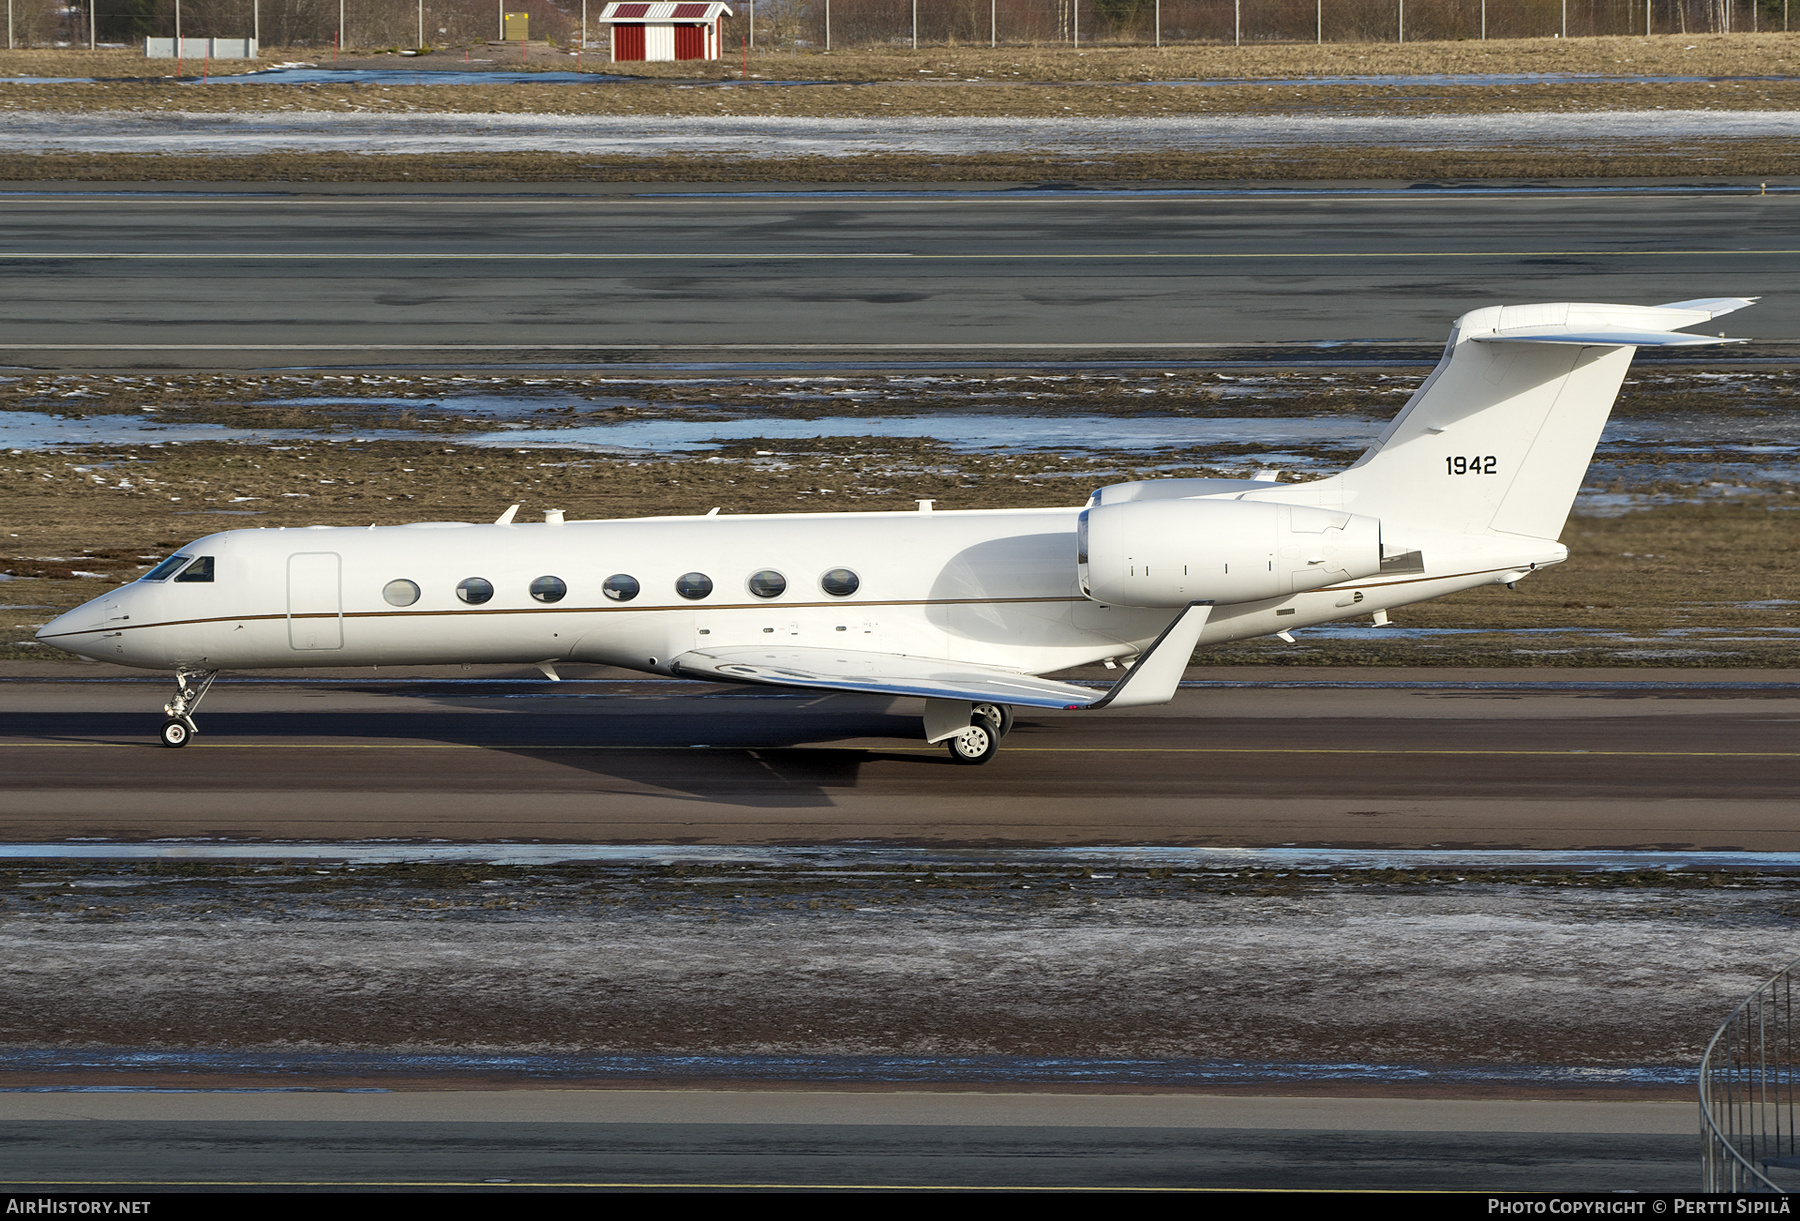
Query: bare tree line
(808,24)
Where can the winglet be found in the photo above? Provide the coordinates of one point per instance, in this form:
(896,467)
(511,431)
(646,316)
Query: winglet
(506,518)
(1156,673)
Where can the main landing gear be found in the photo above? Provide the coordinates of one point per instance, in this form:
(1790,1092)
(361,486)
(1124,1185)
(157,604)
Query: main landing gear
(988,723)
(190,687)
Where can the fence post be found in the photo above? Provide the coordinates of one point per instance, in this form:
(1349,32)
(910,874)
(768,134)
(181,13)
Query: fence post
(1321,19)
(1075,20)
(993,20)
(1237,23)
(1400,24)
(915,3)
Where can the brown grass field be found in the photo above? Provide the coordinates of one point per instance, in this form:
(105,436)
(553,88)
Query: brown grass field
(974,82)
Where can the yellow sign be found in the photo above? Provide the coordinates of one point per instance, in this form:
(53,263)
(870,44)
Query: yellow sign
(515,26)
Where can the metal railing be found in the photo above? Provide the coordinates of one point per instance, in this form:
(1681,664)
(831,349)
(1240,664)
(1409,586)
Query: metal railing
(1748,1080)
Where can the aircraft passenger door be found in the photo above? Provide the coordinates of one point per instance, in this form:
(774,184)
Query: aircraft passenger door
(315,601)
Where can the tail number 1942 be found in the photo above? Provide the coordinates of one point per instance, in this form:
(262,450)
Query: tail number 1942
(1472,466)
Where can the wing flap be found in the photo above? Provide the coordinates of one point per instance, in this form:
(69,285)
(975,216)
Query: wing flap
(881,674)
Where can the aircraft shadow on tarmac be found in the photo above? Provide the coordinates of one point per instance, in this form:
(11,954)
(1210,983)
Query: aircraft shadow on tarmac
(778,751)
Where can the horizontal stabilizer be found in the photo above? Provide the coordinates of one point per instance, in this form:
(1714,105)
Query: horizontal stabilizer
(881,674)
(1592,336)
(1712,307)
(1589,325)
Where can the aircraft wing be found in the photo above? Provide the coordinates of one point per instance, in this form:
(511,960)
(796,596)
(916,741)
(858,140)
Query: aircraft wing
(881,674)
(1151,679)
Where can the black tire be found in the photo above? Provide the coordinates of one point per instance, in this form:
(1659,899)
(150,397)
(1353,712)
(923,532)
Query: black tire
(175,733)
(997,714)
(976,744)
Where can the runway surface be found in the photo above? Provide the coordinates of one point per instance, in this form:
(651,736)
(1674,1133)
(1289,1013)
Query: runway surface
(245,278)
(685,1139)
(1700,764)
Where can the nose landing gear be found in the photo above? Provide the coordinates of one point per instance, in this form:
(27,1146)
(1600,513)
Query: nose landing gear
(191,687)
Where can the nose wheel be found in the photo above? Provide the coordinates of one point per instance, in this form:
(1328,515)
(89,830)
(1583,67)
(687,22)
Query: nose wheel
(191,687)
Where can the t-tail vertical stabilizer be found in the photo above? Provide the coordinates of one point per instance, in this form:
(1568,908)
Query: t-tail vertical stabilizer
(1499,437)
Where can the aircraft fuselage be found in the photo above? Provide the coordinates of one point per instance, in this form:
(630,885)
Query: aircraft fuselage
(996,587)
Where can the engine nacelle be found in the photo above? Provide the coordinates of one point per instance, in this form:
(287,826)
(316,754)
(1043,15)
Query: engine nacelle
(1172,552)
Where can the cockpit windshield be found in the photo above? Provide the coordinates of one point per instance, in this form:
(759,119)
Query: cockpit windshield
(200,570)
(163,570)
(191,569)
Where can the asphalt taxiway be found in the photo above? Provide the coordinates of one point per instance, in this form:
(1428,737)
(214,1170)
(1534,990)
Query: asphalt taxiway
(632,1139)
(232,276)
(1416,759)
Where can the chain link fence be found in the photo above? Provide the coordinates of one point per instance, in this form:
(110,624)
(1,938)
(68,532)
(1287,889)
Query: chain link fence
(815,24)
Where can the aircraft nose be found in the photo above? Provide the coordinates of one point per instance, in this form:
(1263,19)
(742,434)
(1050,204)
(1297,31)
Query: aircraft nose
(65,632)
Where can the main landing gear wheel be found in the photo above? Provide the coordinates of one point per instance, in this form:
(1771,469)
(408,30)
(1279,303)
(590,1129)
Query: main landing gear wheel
(1000,715)
(175,733)
(976,744)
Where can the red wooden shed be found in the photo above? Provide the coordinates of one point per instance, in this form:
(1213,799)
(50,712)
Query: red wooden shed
(659,32)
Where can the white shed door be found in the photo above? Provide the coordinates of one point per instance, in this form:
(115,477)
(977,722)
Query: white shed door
(659,43)
(315,605)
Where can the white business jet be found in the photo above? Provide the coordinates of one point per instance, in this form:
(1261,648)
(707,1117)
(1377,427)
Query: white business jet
(1469,485)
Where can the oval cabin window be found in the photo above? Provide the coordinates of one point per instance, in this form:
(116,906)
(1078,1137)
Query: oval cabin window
(767,584)
(693,585)
(620,588)
(400,593)
(549,589)
(474,590)
(840,582)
